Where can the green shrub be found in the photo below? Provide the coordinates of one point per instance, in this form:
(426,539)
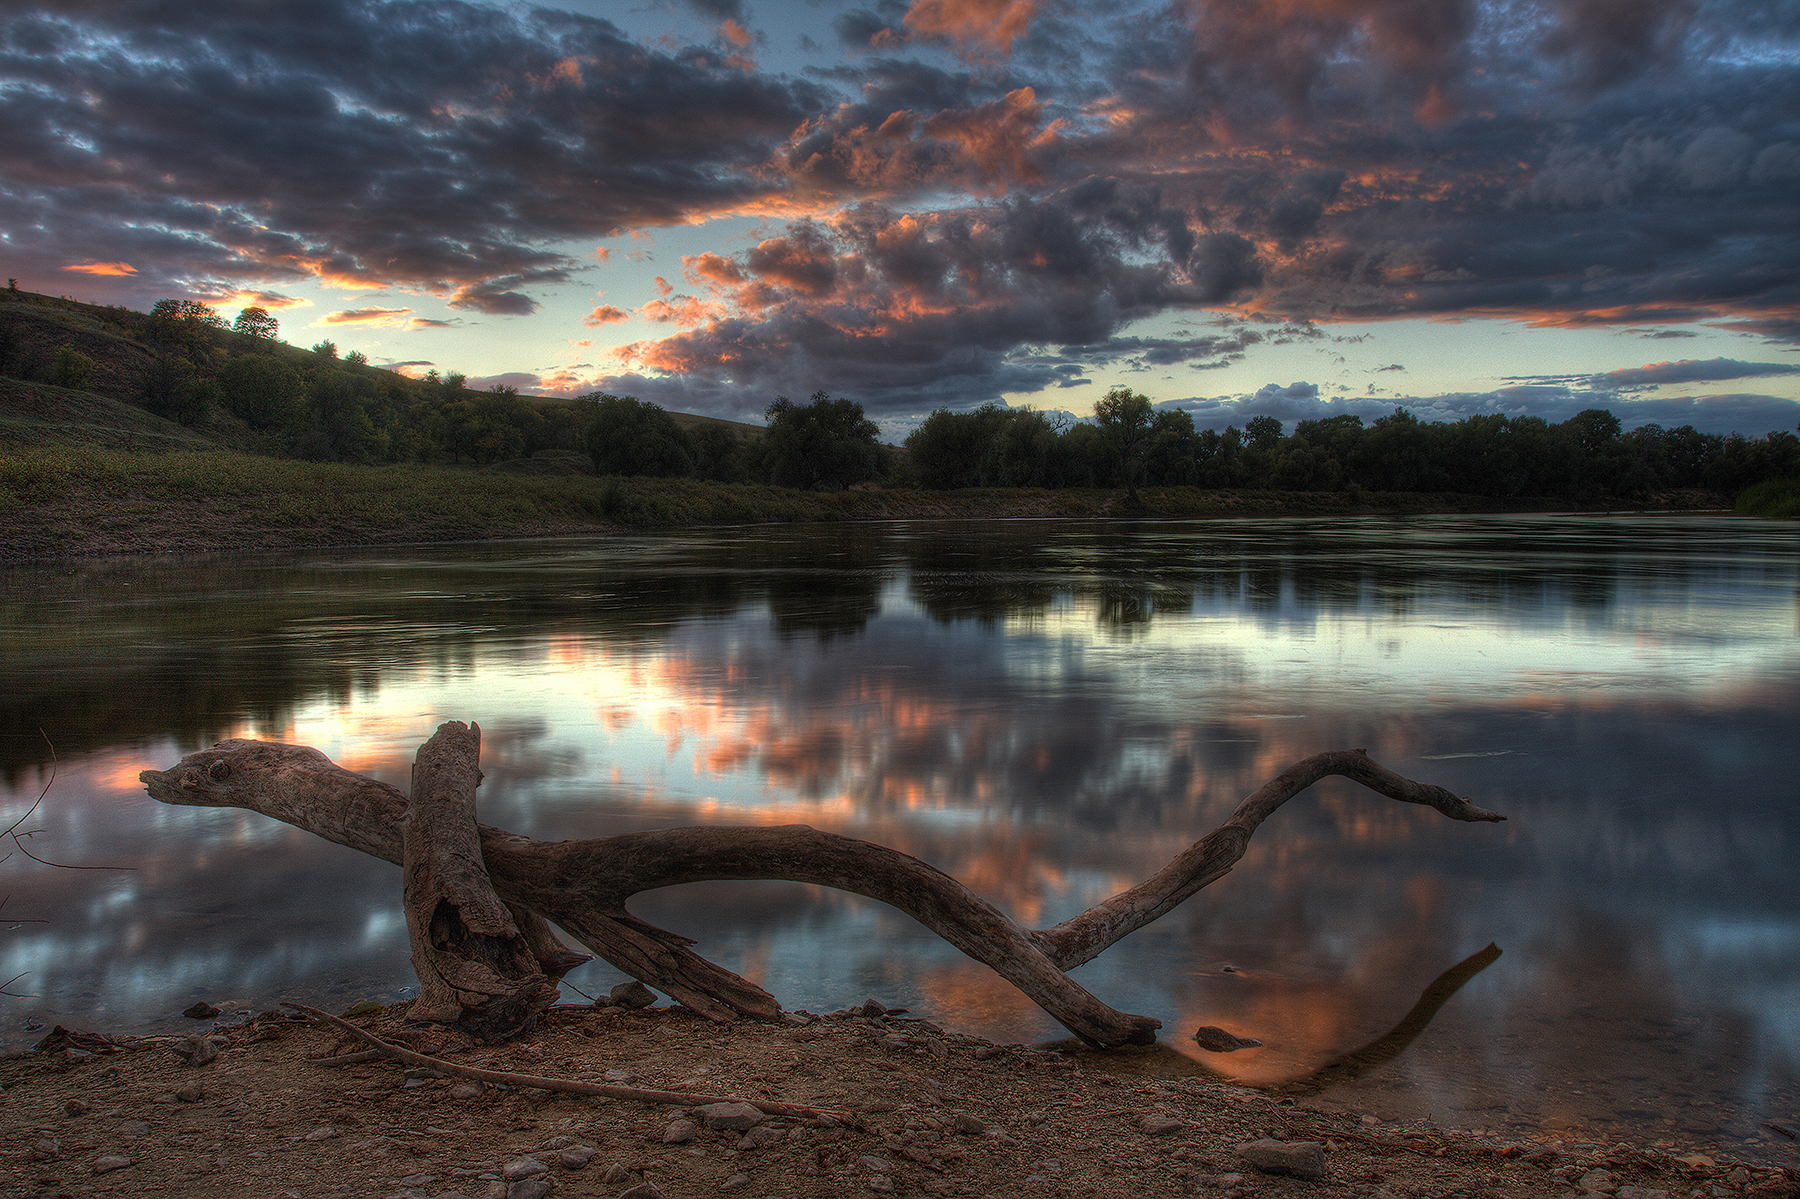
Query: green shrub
(1779,498)
(73,369)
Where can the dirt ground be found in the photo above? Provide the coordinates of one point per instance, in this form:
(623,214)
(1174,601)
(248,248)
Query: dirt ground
(903,1109)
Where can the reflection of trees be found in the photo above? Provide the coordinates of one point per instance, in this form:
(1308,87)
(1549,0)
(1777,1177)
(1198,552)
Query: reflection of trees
(129,650)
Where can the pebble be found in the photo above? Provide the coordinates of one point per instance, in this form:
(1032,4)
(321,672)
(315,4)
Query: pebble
(576,1157)
(1217,1040)
(530,1188)
(759,1138)
(524,1167)
(731,1117)
(1639,1193)
(632,995)
(466,1090)
(1156,1124)
(615,1174)
(680,1132)
(734,1182)
(1302,1159)
(107,1163)
(1599,1182)
(643,1190)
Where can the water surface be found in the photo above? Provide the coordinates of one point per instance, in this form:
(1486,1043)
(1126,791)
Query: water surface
(1048,711)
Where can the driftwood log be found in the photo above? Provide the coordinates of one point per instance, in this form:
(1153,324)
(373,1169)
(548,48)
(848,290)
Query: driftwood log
(476,968)
(583,886)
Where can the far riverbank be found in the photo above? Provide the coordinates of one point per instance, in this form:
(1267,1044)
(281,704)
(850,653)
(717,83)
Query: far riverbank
(68,502)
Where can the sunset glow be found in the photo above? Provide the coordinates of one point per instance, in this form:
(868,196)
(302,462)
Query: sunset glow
(1285,208)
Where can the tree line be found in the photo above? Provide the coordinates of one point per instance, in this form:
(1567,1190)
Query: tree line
(313,404)
(1130,444)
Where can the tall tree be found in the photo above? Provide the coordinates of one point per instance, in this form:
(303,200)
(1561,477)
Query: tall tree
(827,444)
(1127,420)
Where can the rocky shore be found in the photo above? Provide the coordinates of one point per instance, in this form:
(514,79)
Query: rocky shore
(888,1105)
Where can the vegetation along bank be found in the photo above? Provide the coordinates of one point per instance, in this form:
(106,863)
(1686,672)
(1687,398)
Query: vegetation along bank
(125,432)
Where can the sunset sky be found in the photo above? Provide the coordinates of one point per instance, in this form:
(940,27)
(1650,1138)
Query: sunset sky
(1297,208)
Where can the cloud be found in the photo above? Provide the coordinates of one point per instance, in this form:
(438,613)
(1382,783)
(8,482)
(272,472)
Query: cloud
(982,26)
(1290,404)
(1690,371)
(366,316)
(103,268)
(978,202)
(437,146)
(522,381)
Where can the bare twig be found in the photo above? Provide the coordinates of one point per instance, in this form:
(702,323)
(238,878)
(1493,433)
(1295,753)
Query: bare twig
(568,1086)
(18,837)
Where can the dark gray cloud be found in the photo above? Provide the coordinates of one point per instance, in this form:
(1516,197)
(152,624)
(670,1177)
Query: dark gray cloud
(434,145)
(1711,370)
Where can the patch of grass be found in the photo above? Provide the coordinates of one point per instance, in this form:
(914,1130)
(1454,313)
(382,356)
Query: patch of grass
(1779,498)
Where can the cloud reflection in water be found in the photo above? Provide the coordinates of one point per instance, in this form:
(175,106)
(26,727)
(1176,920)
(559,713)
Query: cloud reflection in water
(1048,712)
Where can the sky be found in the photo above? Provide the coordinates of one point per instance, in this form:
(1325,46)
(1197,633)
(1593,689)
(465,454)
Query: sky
(1295,208)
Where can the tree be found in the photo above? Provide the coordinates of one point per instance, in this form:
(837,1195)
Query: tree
(827,444)
(628,436)
(188,324)
(257,323)
(1126,419)
(263,390)
(325,349)
(1263,433)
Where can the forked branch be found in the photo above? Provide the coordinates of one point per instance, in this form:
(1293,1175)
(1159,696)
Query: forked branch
(583,885)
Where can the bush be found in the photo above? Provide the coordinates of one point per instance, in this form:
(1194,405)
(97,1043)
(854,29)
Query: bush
(1779,498)
(73,369)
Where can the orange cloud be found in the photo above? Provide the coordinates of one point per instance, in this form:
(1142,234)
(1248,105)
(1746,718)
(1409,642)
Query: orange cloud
(713,268)
(1000,137)
(685,310)
(567,70)
(103,268)
(366,316)
(988,24)
(606,314)
(736,34)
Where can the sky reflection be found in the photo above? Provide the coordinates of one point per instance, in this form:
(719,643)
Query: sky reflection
(1048,712)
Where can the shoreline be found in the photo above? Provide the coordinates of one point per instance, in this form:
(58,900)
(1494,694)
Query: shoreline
(901,1107)
(84,510)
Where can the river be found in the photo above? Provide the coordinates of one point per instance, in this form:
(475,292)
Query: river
(1049,711)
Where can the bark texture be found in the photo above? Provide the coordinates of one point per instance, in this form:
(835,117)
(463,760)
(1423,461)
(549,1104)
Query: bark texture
(476,969)
(583,885)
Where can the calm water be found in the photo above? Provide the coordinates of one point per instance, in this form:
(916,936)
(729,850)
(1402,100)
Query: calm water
(1049,711)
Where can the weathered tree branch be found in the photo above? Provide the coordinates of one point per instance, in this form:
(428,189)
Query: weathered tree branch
(583,885)
(475,968)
